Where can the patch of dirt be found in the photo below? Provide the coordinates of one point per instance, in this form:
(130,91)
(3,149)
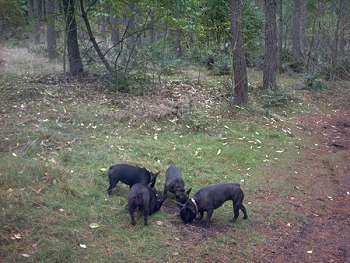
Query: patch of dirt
(323,198)
(191,234)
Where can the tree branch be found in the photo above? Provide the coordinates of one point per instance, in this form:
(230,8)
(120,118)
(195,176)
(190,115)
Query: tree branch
(92,38)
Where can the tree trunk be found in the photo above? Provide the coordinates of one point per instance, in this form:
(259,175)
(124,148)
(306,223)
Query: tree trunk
(51,32)
(344,25)
(37,15)
(178,45)
(152,28)
(296,32)
(280,32)
(92,38)
(338,48)
(30,6)
(270,61)
(240,92)
(75,63)
(115,33)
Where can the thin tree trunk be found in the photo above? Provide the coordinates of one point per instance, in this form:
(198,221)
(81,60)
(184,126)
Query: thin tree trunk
(75,63)
(178,45)
(240,91)
(51,32)
(338,38)
(152,30)
(37,15)
(270,61)
(296,32)
(92,38)
(280,32)
(344,25)
(30,6)
(115,33)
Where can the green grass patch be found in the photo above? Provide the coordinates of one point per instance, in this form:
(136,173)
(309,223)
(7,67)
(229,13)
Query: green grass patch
(52,188)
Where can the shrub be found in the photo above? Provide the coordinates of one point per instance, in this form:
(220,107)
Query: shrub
(314,83)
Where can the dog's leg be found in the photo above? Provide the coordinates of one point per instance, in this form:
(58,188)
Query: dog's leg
(145,217)
(132,216)
(209,215)
(112,184)
(235,211)
(200,216)
(165,193)
(244,211)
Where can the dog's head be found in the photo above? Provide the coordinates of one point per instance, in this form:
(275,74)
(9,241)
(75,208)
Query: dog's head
(159,199)
(188,212)
(182,195)
(153,178)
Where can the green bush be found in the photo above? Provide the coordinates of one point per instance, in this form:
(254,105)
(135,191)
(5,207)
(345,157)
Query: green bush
(136,84)
(11,17)
(278,98)
(314,83)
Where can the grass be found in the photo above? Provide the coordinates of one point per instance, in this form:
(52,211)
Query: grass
(70,179)
(52,186)
(54,189)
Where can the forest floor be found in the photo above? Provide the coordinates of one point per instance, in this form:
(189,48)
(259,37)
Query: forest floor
(59,136)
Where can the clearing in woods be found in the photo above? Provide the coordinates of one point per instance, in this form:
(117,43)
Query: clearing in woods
(58,137)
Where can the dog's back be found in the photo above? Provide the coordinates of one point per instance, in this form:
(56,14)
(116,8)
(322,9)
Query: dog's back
(213,196)
(173,180)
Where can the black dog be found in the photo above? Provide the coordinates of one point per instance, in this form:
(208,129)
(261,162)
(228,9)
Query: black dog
(211,197)
(129,175)
(144,198)
(175,184)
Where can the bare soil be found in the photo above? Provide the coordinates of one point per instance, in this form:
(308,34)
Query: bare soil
(322,175)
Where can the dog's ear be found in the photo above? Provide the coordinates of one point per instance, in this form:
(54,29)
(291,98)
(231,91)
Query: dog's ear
(188,191)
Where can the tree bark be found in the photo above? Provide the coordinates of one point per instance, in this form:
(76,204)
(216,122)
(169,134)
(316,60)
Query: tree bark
(30,6)
(297,32)
(75,63)
(270,61)
(178,44)
(280,33)
(115,33)
(344,25)
(50,31)
(152,29)
(37,15)
(92,38)
(240,91)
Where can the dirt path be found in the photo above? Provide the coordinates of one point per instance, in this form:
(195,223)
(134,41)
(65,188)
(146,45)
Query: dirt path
(322,181)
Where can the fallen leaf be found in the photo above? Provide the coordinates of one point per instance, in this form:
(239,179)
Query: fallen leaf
(25,255)
(18,236)
(218,152)
(103,169)
(94,225)
(159,223)
(309,251)
(82,245)
(14,154)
